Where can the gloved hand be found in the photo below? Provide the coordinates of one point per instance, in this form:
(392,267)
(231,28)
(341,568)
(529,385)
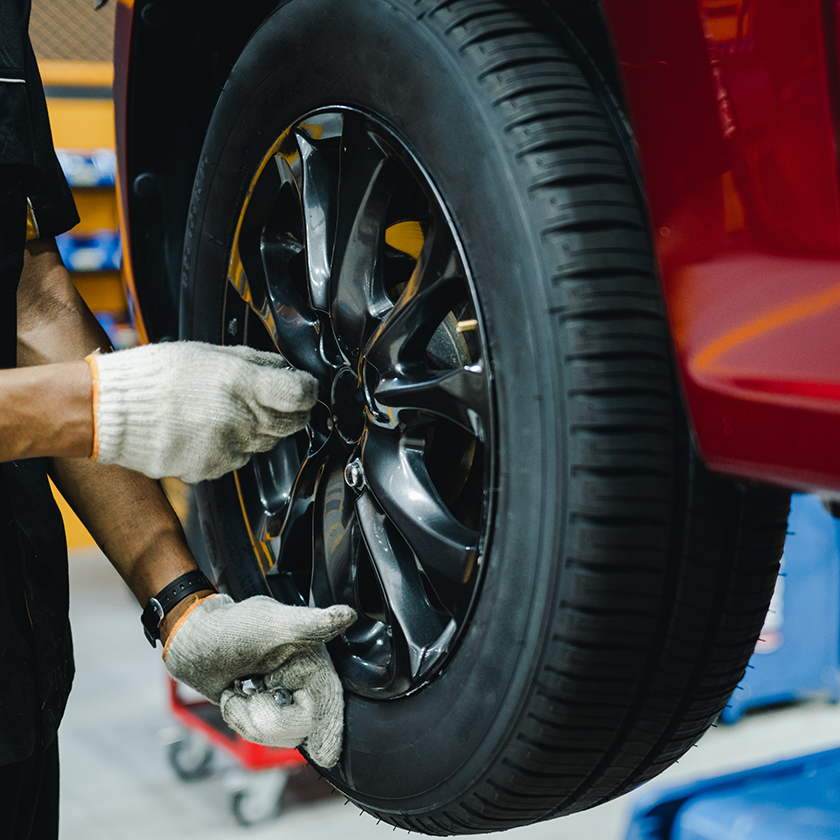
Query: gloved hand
(217,642)
(193,411)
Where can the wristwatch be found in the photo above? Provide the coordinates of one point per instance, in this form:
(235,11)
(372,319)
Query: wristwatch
(167,598)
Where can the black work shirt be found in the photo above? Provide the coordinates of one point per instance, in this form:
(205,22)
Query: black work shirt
(36,659)
(25,136)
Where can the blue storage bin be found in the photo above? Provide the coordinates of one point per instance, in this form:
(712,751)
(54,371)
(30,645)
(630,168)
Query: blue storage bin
(100,251)
(798,653)
(798,799)
(88,169)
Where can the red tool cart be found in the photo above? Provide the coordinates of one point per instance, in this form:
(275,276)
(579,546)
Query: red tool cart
(205,731)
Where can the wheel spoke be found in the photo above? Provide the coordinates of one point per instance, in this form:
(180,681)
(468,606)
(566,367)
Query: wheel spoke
(357,295)
(398,478)
(296,324)
(292,550)
(260,273)
(318,196)
(458,395)
(416,626)
(275,472)
(247,274)
(260,522)
(296,328)
(435,285)
(337,541)
(397,347)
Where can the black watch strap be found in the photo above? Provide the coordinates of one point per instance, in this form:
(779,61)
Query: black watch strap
(180,588)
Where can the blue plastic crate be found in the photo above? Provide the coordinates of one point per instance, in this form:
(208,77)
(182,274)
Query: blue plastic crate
(100,251)
(798,799)
(797,656)
(88,169)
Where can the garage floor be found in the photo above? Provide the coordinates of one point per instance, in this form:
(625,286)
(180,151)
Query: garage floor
(117,783)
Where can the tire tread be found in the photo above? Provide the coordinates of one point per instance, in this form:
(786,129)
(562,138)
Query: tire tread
(610,316)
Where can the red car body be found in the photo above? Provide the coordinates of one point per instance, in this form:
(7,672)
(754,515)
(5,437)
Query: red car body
(734,106)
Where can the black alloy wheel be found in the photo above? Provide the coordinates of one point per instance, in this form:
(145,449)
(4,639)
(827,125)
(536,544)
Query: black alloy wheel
(345,262)
(433,208)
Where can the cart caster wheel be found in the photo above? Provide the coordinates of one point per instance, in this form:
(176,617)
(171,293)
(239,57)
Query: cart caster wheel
(248,813)
(191,759)
(261,801)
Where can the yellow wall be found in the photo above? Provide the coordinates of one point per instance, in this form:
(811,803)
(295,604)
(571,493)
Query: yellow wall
(77,534)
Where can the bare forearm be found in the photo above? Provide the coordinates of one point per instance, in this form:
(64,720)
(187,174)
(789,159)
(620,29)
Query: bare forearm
(126,513)
(131,520)
(46,412)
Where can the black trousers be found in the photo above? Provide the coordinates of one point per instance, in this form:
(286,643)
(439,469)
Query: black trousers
(29,797)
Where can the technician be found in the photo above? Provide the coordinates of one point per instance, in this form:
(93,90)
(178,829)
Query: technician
(104,426)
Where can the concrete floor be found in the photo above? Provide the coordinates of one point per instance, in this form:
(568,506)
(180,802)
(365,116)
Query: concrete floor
(117,783)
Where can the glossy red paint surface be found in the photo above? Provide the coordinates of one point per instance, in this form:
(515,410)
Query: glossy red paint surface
(733,104)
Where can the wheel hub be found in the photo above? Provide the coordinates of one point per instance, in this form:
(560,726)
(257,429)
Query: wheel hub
(348,406)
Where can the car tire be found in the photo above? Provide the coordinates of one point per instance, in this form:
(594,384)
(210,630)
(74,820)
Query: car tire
(613,588)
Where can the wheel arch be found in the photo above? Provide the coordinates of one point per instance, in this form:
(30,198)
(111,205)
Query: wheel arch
(171,63)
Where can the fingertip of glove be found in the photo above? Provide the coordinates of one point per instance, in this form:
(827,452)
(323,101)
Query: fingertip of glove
(263,358)
(338,618)
(287,391)
(343,614)
(308,387)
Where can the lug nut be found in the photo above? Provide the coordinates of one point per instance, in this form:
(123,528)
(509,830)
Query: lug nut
(251,685)
(283,697)
(354,474)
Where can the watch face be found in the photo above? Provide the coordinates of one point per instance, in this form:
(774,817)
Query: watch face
(180,588)
(155,605)
(151,618)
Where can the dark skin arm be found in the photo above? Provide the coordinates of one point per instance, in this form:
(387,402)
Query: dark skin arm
(50,415)
(29,425)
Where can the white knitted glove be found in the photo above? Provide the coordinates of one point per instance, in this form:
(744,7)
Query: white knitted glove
(218,643)
(193,411)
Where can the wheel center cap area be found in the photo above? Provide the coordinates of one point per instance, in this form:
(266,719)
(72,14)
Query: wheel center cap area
(348,405)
